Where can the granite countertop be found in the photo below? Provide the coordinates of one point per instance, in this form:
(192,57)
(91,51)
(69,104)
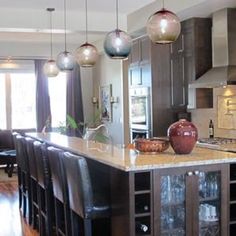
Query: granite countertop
(228,147)
(130,160)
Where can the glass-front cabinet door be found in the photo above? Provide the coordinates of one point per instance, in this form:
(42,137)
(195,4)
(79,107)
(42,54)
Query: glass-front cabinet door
(170,202)
(209,186)
(191,201)
(173,205)
(211,206)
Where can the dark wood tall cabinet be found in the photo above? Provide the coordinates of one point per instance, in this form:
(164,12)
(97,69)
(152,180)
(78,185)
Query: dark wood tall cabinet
(190,57)
(149,67)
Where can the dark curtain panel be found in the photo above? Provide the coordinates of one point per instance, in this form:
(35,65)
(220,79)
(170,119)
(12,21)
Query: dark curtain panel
(74,104)
(43,111)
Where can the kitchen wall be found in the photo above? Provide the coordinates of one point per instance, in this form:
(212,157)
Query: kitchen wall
(201,117)
(108,71)
(87,92)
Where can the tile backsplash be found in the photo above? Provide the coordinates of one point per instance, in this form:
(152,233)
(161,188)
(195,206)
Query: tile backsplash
(222,114)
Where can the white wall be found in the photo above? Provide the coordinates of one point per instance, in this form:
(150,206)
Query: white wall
(87,92)
(108,71)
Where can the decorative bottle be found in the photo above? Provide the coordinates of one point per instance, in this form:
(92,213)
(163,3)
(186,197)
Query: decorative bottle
(211,129)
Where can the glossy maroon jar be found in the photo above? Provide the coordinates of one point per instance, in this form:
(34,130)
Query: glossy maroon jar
(183,136)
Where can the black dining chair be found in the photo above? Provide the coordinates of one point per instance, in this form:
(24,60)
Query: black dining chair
(45,192)
(87,199)
(14,134)
(60,192)
(24,184)
(33,180)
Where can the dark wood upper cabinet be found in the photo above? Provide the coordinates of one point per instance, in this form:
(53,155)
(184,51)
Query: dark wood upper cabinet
(140,52)
(191,57)
(149,67)
(134,56)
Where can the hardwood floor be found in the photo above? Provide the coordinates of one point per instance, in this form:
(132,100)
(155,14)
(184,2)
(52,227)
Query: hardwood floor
(11,221)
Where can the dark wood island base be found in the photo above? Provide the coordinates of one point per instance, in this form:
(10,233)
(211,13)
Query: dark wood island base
(165,194)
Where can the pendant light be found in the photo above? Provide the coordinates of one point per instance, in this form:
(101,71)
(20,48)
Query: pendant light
(117,43)
(50,68)
(163,26)
(65,60)
(86,54)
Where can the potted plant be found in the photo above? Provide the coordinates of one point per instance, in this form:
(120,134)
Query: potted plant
(92,130)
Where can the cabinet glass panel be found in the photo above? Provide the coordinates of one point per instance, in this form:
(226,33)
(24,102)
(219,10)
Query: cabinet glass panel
(173,205)
(209,203)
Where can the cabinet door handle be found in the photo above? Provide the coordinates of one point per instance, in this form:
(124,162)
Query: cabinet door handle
(196,172)
(190,173)
(180,50)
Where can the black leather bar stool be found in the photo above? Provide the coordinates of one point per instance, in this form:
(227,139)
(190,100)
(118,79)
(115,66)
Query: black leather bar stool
(33,180)
(45,192)
(24,186)
(86,201)
(60,191)
(14,134)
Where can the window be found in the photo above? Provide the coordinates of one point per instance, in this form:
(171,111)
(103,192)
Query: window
(57,93)
(3,122)
(17,101)
(23,92)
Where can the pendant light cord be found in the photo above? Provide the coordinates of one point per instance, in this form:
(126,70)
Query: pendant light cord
(117,14)
(65,23)
(86,20)
(163,4)
(51,32)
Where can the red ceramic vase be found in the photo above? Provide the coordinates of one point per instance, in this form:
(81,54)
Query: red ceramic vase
(183,136)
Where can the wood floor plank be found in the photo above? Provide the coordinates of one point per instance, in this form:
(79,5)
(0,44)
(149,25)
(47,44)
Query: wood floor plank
(11,221)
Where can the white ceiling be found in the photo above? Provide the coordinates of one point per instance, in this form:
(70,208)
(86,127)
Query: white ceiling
(26,22)
(125,6)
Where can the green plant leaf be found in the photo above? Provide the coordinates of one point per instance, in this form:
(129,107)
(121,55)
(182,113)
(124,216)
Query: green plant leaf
(71,122)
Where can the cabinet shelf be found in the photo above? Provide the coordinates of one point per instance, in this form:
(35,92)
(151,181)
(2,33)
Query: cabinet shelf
(142,214)
(171,231)
(209,199)
(143,234)
(173,204)
(142,192)
(206,224)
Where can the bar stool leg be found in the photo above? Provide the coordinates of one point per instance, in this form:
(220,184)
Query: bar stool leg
(87,227)
(49,208)
(29,199)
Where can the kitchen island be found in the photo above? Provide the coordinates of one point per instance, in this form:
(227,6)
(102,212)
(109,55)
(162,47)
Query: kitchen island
(163,194)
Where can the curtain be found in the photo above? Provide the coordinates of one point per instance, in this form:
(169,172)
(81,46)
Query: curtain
(74,103)
(43,111)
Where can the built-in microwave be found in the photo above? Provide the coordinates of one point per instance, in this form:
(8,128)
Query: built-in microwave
(139,108)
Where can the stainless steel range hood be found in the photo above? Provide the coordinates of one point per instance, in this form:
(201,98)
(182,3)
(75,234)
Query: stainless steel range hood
(224,52)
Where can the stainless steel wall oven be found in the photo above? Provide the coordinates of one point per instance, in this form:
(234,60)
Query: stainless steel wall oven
(139,103)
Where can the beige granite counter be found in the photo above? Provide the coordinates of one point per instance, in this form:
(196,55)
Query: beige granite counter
(129,160)
(228,147)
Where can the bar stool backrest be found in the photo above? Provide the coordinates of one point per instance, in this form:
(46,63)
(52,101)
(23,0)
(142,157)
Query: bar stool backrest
(55,156)
(79,184)
(42,164)
(14,134)
(31,157)
(22,154)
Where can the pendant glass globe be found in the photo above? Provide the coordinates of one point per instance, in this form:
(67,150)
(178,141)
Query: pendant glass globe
(50,68)
(117,44)
(65,61)
(86,55)
(163,27)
